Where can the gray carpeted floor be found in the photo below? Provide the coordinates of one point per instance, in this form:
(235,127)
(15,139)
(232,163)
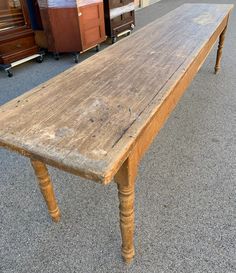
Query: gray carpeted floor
(185,194)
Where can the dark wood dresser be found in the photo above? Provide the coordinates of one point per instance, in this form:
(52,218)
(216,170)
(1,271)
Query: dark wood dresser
(16,36)
(119,17)
(73,26)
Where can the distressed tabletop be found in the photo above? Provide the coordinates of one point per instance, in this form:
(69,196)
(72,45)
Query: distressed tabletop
(87,119)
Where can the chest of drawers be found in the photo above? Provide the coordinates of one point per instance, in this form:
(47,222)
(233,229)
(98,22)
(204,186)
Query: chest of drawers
(119,17)
(16,36)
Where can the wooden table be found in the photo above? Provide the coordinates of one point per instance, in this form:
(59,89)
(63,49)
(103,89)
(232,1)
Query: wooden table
(98,118)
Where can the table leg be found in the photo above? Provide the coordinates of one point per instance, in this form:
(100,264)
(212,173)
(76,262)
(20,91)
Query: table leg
(220,49)
(125,179)
(46,188)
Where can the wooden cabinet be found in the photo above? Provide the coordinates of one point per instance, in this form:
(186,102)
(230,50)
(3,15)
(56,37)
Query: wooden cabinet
(119,17)
(16,37)
(72,27)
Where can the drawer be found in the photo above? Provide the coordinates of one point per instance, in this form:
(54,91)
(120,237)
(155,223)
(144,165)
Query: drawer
(119,3)
(124,18)
(13,56)
(126,2)
(18,44)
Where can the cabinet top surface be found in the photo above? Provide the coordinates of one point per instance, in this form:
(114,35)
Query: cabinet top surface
(87,118)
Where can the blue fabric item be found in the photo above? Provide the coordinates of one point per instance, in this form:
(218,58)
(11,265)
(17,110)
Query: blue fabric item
(35,19)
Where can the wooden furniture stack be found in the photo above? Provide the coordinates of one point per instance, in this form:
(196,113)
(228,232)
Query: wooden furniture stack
(16,36)
(119,17)
(72,26)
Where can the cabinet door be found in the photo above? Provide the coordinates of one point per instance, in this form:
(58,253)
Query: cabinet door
(91,21)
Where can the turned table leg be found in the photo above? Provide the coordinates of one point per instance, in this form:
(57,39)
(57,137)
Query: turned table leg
(220,49)
(125,179)
(46,188)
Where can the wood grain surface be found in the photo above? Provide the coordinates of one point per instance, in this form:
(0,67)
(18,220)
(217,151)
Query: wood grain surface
(88,119)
